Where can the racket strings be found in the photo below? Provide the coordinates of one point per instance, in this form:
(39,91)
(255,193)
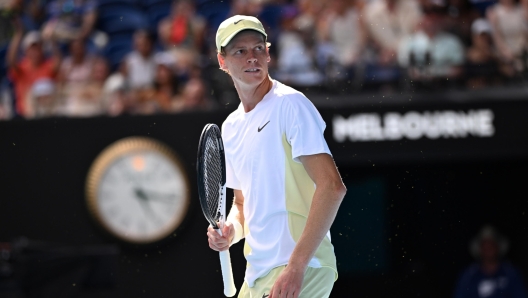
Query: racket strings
(213,177)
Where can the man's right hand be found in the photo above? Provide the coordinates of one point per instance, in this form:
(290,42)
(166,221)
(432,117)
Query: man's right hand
(221,243)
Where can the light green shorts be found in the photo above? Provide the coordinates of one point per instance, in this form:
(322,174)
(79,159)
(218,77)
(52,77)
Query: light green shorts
(318,283)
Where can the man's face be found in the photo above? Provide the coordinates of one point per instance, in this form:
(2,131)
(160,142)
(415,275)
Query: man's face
(34,52)
(246,58)
(489,250)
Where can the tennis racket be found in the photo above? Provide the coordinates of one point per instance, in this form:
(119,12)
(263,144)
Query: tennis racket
(212,192)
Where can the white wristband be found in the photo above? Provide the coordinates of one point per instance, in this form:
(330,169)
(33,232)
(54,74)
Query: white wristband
(239,232)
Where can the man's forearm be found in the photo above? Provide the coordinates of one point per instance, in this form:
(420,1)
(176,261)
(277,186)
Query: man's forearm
(322,213)
(236,217)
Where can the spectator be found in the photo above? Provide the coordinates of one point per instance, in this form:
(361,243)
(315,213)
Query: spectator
(482,60)
(166,84)
(115,93)
(69,20)
(389,22)
(193,98)
(42,100)
(296,47)
(77,67)
(33,65)
(183,28)
(139,65)
(490,276)
(460,17)
(438,53)
(156,98)
(86,98)
(342,29)
(183,35)
(510,33)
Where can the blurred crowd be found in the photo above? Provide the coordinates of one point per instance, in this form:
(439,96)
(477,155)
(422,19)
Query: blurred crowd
(83,58)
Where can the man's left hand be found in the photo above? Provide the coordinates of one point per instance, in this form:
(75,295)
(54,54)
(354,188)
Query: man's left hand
(288,284)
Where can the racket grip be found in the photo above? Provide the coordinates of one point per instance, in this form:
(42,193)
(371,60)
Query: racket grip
(227,274)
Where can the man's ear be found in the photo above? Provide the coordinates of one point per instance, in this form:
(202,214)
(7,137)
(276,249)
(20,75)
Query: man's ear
(221,62)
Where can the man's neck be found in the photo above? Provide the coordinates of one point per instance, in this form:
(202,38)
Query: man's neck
(250,96)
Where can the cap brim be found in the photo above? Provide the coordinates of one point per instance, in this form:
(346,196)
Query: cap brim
(230,37)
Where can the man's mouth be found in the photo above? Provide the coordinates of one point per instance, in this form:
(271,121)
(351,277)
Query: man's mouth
(252,70)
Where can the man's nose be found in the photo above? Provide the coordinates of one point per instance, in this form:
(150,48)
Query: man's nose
(252,58)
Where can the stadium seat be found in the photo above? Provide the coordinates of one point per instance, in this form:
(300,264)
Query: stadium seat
(3,52)
(149,3)
(122,19)
(118,47)
(158,12)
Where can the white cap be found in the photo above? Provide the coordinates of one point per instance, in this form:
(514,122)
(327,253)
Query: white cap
(480,26)
(31,37)
(232,26)
(165,59)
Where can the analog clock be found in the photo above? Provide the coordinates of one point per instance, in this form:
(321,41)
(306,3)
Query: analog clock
(137,190)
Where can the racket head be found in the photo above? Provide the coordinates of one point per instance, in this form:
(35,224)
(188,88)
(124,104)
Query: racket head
(211,174)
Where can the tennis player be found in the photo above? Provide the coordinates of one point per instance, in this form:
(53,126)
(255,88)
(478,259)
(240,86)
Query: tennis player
(286,185)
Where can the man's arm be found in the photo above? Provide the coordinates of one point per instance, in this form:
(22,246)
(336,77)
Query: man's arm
(328,195)
(12,51)
(233,230)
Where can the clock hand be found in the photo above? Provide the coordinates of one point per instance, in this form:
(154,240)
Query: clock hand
(144,201)
(166,198)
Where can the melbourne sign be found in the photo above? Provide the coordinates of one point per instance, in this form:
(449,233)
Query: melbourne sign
(413,125)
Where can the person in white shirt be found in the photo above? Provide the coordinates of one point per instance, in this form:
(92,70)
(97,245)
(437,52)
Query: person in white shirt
(286,185)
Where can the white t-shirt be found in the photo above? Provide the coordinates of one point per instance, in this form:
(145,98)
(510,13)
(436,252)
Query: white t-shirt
(262,150)
(141,70)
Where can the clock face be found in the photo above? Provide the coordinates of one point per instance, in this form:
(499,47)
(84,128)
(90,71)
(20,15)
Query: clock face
(138,191)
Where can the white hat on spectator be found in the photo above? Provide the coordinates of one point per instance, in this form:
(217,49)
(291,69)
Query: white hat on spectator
(165,59)
(31,38)
(480,26)
(43,87)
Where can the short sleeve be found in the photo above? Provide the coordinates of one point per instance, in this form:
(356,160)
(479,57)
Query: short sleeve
(231,179)
(304,127)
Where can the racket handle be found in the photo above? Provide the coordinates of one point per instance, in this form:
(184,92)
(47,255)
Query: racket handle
(227,274)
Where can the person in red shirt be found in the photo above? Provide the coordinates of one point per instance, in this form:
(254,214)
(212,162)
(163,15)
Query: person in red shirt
(30,68)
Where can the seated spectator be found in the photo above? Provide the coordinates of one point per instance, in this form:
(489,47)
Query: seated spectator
(342,30)
(115,93)
(69,20)
(510,33)
(490,276)
(42,100)
(77,67)
(296,48)
(432,53)
(86,98)
(389,22)
(460,17)
(193,98)
(33,66)
(482,60)
(158,97)
(139,65)
(166,84)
